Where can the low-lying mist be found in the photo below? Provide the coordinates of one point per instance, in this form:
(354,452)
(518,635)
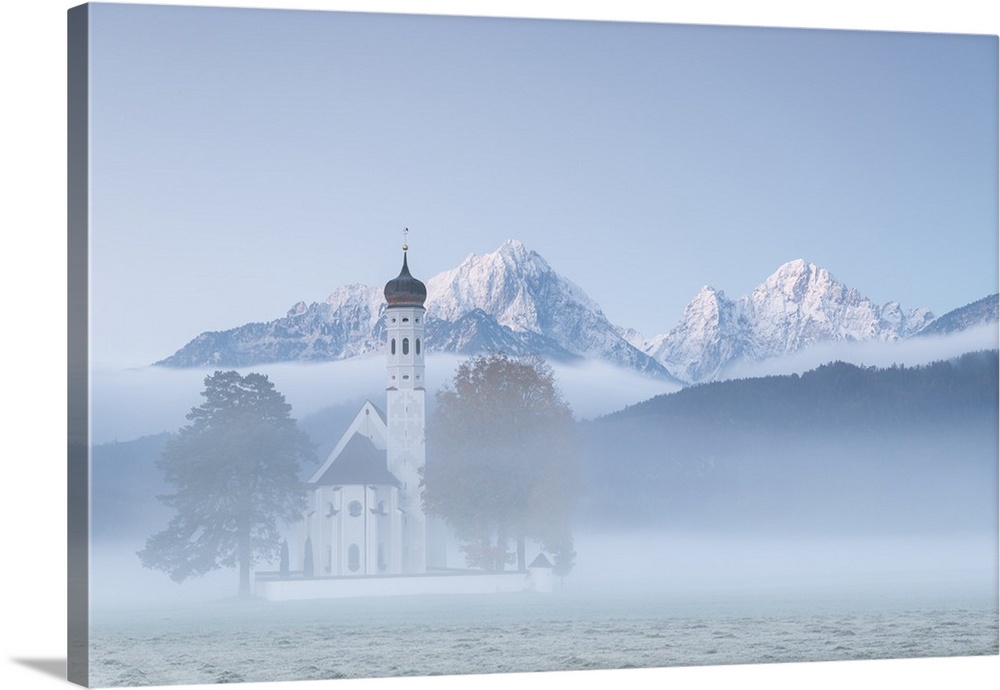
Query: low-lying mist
(710,509)
(802,570)
(129,403)
(911,352)
(719,573)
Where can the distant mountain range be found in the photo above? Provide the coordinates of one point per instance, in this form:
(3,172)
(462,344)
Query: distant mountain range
(512,301)
(509,300)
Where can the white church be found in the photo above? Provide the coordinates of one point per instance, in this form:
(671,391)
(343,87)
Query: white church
(365,532)
(364,514)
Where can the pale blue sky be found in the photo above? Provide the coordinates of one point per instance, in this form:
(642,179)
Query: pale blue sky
(243,160)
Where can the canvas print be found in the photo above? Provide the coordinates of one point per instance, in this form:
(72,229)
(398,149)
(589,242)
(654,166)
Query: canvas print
(426,345)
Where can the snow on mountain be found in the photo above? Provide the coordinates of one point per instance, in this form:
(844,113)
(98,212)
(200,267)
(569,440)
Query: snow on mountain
(712,332)
(512,301)
(797,306)
(518,289)
(633,338)
(509,300)
(513,284)
(477,332)
(986,310)
(345,325)
(801,304)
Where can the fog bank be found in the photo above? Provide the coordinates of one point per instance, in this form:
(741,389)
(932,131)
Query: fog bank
(129,403)
(719,573)
(910,352)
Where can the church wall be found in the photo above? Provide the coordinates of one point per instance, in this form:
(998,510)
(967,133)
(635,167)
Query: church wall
(406,453)
(354,520)
(361,516)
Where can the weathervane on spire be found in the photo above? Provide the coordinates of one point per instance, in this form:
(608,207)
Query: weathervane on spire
(406,231)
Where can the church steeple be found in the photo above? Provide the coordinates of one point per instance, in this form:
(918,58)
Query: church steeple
(404,290)
(405,405)
(404,316)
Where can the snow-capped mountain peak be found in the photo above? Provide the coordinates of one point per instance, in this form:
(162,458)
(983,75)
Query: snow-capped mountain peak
(512,300)
(513,284)
(509,299)
(709,334)
(798,305)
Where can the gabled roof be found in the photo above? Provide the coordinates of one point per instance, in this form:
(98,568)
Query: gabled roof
(370,423)
(360,462)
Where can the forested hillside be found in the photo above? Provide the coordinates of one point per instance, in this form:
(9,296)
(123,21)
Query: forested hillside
(835,395)
(124,483)
(838,448)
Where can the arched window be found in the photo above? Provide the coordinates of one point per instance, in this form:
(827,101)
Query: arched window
(417,344)
(353,558)
(392,346)
(406,346)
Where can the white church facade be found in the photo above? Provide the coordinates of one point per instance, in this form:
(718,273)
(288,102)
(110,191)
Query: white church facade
(365,532)
(354,521)
(364,515)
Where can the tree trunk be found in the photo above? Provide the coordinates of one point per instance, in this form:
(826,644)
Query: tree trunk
(308,568)
(521,561)
(283,565)
(244,565)
(500,555)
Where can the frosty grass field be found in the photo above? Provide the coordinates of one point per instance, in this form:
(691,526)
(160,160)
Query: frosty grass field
(229,641)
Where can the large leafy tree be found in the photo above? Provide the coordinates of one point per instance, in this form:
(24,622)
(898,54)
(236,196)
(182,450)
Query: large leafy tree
(502,462)
(235,473)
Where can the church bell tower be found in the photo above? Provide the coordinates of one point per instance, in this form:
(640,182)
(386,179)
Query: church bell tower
(405,407)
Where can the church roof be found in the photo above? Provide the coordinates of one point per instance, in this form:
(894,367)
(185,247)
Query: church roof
(370,421)
(404,290)
(360,462)
(378,411)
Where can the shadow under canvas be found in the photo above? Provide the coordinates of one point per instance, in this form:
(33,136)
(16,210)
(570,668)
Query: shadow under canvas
(50,667)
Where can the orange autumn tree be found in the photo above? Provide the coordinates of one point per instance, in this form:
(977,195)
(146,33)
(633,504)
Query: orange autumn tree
(502,461)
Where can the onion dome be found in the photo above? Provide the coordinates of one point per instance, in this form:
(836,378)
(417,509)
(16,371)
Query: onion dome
(404,290)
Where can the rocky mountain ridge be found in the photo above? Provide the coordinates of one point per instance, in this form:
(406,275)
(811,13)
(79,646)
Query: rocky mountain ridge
(797,306)
(511,300)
